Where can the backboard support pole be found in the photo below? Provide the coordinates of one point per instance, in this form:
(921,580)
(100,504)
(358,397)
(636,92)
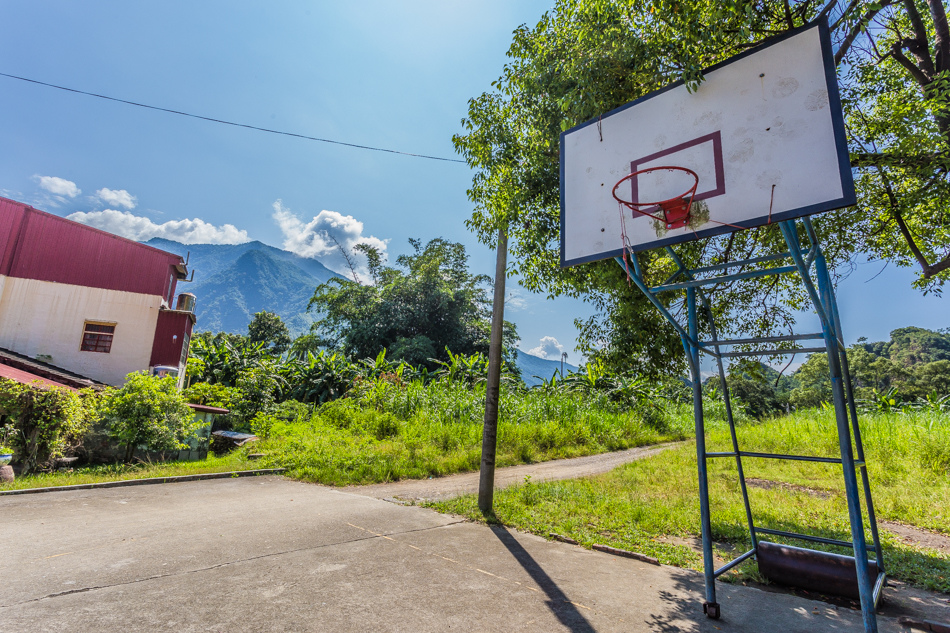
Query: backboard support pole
(804,262)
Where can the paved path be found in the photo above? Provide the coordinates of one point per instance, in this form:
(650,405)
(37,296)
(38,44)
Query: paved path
(269,554)
(439,488)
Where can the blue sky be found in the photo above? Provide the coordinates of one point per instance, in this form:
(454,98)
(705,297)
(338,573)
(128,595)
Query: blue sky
(392,75)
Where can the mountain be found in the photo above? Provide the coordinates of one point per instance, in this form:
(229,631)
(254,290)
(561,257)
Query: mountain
(233,281)
(532,366)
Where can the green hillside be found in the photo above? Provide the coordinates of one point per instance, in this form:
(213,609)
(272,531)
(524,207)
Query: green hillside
(233,281)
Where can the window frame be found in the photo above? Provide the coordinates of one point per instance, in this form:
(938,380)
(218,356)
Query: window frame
(103,338)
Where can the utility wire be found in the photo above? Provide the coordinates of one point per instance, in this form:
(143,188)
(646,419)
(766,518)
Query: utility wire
(244,125)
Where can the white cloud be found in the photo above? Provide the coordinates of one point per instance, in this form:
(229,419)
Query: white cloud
(117,197)
(324,236)
(138,228)
(58,186)
(548,348)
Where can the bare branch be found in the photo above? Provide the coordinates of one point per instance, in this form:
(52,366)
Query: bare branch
(857,29)
(844,14)
(919,75)
(934,160)
(919,46)
(929,269)
(942,43)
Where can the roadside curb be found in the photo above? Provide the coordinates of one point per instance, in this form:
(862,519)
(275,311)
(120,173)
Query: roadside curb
(148,481)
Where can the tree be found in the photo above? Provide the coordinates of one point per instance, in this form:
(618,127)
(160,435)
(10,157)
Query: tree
(584,58)
(417,310)
(267,328)
(148,411)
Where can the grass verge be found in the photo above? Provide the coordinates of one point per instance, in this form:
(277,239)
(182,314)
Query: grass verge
(122,472)
(411,431)
(652,506)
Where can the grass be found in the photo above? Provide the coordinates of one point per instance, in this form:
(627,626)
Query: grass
(411,432)
(388,431)
(120,472)
(651,506)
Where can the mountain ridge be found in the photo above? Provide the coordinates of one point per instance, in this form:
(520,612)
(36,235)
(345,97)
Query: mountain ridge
(234,281)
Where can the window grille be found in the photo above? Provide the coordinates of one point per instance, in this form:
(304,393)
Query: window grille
(97,337)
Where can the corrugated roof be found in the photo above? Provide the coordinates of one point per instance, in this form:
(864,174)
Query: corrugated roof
(38,245)
(49,372)
(27,378)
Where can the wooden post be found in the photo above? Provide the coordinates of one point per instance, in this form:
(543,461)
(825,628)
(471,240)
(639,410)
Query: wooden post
(486,480)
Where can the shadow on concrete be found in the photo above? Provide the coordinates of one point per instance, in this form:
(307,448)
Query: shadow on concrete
(678,610)
(558,602)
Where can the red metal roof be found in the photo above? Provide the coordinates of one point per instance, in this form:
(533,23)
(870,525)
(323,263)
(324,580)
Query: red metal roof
(39,245)
(27,378)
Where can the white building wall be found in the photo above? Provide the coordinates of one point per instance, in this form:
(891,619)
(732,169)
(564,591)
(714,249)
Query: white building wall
(44,320)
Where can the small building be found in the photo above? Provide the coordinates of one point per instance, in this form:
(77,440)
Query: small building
(87,302)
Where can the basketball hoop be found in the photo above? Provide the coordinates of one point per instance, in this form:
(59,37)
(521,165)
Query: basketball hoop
(675,211)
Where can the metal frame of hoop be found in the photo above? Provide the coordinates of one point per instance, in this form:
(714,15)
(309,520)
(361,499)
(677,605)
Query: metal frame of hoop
(675,210)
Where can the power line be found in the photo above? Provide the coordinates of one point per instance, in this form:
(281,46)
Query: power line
(244,125)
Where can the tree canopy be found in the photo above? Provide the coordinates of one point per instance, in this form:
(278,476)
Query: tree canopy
(585,57)
(269,329)
(426,304)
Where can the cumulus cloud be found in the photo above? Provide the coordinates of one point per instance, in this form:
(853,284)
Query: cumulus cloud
(548,348)
(325,237)
(117,198)
(59,186)
(138,228)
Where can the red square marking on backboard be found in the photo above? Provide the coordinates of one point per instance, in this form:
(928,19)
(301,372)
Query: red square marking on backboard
(714,137)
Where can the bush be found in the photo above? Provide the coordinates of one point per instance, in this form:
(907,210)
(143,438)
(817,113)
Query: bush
(148,411)
(42,422)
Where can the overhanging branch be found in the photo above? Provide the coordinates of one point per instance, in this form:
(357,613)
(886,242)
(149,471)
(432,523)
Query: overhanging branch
(933,160)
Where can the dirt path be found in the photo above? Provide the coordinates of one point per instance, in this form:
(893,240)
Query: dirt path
(441,488)
(907,533)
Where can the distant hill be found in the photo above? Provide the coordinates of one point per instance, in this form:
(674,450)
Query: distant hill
(232,282)
(532,366)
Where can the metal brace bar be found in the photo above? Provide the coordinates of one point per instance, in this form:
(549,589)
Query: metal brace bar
(766,339)
(638,280)
(698,283)
(806,537)
(795,458)
(734,562)
(787,351)
(743,262)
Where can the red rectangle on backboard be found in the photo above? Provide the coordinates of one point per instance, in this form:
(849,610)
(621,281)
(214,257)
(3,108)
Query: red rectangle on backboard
(715,167)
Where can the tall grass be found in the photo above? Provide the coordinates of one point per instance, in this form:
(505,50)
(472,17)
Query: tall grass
(651,505)
(388,430)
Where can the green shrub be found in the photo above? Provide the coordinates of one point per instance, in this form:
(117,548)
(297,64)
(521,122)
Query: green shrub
(148,411)
(42,422)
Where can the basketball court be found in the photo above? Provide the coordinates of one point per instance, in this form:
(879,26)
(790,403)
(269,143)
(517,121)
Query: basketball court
(270,554)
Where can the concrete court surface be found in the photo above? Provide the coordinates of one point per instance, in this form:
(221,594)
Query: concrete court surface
(270,554)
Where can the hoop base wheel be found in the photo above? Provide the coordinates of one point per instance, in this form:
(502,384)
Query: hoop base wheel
(711,609)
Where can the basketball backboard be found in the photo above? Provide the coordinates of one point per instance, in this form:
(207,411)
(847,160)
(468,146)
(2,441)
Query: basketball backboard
(764,132)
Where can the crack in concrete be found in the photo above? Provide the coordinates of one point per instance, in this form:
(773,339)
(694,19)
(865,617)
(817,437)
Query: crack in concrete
(373,536)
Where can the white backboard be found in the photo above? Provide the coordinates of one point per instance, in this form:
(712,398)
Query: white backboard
(764,132)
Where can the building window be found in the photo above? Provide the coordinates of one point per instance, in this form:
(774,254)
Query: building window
(183,361)
(97,337)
